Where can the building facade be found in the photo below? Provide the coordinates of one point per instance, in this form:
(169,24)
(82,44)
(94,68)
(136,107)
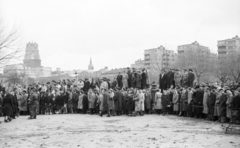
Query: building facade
(32,57)
(228,46)
(183,49)
(158,58)
(31,66)
(139,64)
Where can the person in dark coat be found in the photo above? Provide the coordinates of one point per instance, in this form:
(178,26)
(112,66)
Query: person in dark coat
(124,101)
(211,103)
(191,78)
(165,102)
(144,79)
(163,81)
(15,104)
(86,85)
(170,78)
(114,83)
(129,77)
(119,80)
(118,97)
(48,102)
(133,80)
(138,80)
(130,102)
(198,102)
(34,104)
(7,107)
(223,105)
(85,102)
(75,97)
(236,100)
(42,102)
(70,102)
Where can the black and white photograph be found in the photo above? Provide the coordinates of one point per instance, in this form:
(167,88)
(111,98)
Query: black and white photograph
(119,73)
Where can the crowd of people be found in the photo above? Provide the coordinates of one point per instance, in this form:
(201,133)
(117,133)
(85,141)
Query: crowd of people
(130,93)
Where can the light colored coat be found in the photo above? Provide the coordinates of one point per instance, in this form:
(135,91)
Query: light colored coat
(141,99)
(205,100)
(100,102)
(137,102)
(91,100)
(158,101)
(125,80)
(80,98)
(175,102)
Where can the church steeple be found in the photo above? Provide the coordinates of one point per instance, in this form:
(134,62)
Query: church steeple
(90,66)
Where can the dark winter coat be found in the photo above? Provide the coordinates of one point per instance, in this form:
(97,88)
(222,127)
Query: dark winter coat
(118,97)
(163,81)
(223,105)
(7,105)
(191,78)
(138,80)
(119,81)
(170,79)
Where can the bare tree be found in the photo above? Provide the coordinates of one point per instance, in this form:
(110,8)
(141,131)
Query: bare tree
(13,78)
(221,70)
(195,58)
(234,65)
(9,44)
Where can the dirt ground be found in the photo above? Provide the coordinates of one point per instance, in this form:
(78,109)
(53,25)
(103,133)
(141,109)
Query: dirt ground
(149,131)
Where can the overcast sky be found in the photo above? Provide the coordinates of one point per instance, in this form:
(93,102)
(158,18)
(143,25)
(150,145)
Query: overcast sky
(116,32)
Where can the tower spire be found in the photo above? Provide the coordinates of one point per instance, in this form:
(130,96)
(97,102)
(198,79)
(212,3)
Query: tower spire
(90,66)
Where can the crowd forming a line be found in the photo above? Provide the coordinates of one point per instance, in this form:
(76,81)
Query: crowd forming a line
(128,94)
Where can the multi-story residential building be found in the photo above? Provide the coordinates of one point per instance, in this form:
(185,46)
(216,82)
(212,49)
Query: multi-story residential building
(139,64)
(182,49)
(158,58)
(228,46)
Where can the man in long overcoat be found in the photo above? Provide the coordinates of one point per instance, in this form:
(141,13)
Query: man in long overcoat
(129,77)
(34,104)
(170,78)
(163,81)
(119,80)
(191,78)
(138,80)
(144,79)
(118,97)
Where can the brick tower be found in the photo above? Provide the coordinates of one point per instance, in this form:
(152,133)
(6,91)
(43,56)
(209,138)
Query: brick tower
(32,57)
